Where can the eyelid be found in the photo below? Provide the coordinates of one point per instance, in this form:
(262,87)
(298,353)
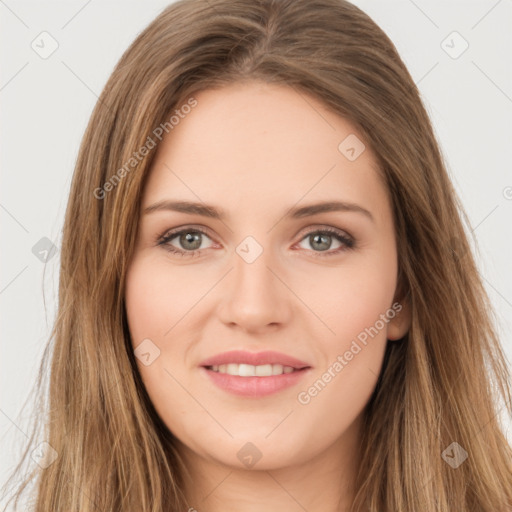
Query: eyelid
(205,230)
(187,227)
(323,227)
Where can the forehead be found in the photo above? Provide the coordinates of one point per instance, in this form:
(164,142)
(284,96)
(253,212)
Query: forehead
(251,141)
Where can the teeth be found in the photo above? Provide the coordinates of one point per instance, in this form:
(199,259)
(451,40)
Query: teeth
(248,370)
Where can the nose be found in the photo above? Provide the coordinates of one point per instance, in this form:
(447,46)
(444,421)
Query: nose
(255,296)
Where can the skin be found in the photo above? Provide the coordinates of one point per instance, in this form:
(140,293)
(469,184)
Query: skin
(255,150)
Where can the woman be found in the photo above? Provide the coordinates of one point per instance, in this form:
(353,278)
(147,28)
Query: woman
(325,343)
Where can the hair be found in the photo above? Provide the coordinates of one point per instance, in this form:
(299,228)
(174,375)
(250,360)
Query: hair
(446,381)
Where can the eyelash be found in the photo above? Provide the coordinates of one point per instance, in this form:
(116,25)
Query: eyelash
(348,242)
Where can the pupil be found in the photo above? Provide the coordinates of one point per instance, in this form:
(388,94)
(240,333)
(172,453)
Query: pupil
(318,238)
(188,238)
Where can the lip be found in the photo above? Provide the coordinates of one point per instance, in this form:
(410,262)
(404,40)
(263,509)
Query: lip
(255,359)
(254,387)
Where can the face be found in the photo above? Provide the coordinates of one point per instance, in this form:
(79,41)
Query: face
(251,269)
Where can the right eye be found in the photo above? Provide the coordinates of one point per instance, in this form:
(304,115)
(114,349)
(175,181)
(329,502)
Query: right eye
(188,238)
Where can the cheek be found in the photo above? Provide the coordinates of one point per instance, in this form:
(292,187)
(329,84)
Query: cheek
(148,311)
(154,300)
(152,309)
(351,298)
(356,306)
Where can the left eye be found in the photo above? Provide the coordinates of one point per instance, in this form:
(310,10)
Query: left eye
(323,238)
(191,241)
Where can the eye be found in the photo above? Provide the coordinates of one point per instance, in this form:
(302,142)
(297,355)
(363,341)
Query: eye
(322,240)
(190,240)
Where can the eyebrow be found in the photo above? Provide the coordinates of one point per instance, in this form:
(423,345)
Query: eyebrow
(213,212)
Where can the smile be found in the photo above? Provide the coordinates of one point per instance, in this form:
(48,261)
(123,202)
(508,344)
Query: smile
(243,380)
(249,370)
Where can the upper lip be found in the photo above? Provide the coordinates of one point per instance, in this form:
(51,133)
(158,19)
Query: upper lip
(255,359)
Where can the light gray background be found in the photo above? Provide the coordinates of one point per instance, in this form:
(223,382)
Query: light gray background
(46,104)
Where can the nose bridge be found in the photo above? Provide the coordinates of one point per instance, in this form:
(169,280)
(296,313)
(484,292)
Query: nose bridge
(252,261)
(254,297)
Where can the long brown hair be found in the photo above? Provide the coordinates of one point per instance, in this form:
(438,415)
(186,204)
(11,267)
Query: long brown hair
(444,383)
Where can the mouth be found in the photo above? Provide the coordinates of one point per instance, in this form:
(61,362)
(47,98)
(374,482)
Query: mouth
(254,375)
(249,370)
(249,381)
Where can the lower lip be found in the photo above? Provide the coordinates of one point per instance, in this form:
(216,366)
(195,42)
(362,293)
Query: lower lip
(255,386)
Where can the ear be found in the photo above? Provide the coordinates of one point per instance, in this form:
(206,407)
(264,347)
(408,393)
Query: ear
(399,325)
